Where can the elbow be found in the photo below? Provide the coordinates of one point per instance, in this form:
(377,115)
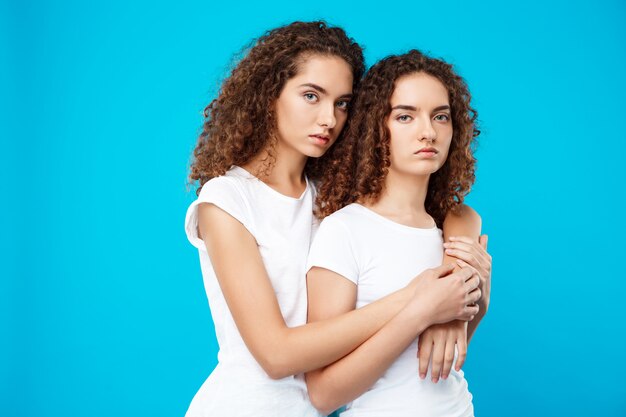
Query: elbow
(320,398)
(272,353)
(275,366)
(275,372)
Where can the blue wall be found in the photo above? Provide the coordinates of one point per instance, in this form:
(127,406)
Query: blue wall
(102,306)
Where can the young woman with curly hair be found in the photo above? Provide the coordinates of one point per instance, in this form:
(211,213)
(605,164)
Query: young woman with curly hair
(405,162)
(283,106)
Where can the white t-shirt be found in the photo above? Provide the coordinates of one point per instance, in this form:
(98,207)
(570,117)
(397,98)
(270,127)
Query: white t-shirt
(381,256)
(283,228)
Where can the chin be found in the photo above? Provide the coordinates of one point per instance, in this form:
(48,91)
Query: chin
(420,171)
(315,152)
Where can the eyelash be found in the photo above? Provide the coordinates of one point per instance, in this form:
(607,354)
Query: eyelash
(403,118)
(305,95)
(345,107)
(314,99)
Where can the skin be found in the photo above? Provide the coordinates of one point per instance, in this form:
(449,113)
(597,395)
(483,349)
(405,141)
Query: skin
(314,102)
(437,343)
(420,118)
(311,103)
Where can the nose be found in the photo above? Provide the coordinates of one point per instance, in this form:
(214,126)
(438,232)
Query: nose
(428,133)
(326,117)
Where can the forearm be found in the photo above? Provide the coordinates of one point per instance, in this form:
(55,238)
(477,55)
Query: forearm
(464,223)
(351,376)
(300,349)
(473,325)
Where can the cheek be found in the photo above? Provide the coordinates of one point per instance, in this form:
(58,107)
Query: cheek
(397,147)
(342,118)
(445,149)
(288,114)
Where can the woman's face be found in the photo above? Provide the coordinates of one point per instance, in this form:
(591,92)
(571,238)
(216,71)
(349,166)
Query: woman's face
(313,106)
(420,124)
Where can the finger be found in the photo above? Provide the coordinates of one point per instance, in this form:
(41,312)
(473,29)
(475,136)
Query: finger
(476,260)
(482,257)
(483,240)
(463,255)
(469,312)
(443,270)
(465,242)
(424,352)
(472,283)
(463,264)
(448,358)
(464,239)
(461,345)
(465,273)
(437,356)
(474,296)
(467,247)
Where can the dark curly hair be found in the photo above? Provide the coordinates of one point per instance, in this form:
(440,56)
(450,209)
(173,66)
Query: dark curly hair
(357,166)
(239,123)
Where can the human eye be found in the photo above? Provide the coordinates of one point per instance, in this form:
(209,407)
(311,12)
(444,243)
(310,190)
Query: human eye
(343,104)
(442,117)
(404,118)
(311,97)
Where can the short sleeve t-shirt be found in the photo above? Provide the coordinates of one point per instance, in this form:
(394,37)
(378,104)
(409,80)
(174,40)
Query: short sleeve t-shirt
(283,228)
(381,256)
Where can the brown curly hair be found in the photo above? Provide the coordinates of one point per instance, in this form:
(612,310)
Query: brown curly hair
(357,166)
(240,123)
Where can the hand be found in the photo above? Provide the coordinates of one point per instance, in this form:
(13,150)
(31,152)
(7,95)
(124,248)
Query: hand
(439,341)
(470,253)
(443,296)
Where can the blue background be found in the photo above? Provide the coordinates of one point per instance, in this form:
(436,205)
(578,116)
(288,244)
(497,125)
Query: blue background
(102,306)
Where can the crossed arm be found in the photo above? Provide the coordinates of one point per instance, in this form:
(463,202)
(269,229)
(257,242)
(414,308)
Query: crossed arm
(281,351)
(464,246)
(331,295)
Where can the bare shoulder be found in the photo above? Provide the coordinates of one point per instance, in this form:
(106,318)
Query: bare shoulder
(464,212)
(462,221)
(214,220)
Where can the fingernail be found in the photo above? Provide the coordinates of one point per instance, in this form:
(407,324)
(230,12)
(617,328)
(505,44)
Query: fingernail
(434,380)
(446,245)
(444,376)
(422,376)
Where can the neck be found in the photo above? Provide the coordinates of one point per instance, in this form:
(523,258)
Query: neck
(403,195)
(286,173)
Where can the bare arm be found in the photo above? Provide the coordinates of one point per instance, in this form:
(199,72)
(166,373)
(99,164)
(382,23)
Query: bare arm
(436,299)
(280,350)
(467,223)
(439,341)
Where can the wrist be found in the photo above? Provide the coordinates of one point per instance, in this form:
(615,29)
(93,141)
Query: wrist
(484,304)
(418,316)
(482,310)
(406,294)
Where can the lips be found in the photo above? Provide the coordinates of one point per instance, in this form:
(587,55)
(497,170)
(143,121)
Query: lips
(320,139)
(428,150)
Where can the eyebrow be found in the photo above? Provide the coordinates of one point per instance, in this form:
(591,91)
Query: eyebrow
(322,89)
(412,108)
